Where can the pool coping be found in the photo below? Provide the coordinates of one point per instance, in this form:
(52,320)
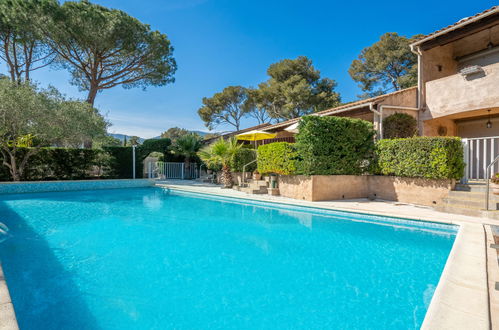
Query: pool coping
(8,319)
(463,280)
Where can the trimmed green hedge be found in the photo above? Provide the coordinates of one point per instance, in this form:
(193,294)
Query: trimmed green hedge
(278,157)
(421,157)
(57,164)
(241,158)
(334,145)
(119,164)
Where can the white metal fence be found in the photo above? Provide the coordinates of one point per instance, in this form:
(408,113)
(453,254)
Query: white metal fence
(168,170)
(478,154)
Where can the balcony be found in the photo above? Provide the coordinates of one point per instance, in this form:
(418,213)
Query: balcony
(460,93)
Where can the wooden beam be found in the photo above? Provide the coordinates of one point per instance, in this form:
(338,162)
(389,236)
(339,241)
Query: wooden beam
(463,32)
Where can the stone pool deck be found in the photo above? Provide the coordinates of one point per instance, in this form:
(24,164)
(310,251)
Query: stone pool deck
(465,297)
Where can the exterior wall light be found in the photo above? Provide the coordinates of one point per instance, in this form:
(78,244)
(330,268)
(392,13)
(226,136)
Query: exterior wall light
(489,123)
(470,70)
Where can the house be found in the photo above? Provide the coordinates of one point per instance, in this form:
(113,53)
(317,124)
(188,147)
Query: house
(457,92)
(234,133)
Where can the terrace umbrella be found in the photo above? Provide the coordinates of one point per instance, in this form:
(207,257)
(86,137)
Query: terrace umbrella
(293,128)
(255,136)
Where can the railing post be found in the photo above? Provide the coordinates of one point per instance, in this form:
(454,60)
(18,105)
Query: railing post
(182,167)
(466,155)
(487,177)
(133,161)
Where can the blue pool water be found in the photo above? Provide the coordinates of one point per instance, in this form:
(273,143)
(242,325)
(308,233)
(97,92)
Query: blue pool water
(149,258)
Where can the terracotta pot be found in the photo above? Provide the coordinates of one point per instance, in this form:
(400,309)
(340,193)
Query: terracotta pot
(257,176)
(495,188)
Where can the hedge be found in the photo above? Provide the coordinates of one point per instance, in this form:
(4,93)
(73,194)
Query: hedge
(119,164)
(278,157)
(421,157)
(334,145)
(57,164)
(241,158)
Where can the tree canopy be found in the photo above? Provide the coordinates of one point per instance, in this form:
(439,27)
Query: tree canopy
(173,133)
(388,65)
(227,107)
(103,48)
(23,46)
(295,88)
(255,106)
(33,118)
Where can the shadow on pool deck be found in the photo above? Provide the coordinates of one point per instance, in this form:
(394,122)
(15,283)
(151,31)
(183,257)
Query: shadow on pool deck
(43,292)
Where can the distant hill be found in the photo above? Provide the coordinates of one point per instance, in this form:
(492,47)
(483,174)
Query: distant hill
(197,132)
(121,137)
(200,133)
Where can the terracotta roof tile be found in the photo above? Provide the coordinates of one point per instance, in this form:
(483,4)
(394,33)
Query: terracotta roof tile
(341,107)
(240,131)
(460,22)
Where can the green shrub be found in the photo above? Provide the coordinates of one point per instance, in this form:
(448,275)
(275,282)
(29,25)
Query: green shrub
(241,158)
(120,164)
(154,145)
(421,157)
(278,157)
(399,125)
(334,145)
(57,164)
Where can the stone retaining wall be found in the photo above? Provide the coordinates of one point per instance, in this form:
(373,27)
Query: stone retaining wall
(337,187)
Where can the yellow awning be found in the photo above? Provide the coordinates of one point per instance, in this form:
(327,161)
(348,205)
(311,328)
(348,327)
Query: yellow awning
(255,136)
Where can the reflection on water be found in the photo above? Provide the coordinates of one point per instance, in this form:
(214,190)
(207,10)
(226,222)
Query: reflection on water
(152,202)
(305,219)
(4,232)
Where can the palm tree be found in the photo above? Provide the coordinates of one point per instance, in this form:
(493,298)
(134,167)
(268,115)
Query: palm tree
(188,146)
(220,153)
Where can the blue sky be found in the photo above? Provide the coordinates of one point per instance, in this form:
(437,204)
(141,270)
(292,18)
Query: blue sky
(230,42)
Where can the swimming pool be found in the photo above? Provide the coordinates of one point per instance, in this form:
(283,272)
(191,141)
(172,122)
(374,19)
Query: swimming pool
(151,258)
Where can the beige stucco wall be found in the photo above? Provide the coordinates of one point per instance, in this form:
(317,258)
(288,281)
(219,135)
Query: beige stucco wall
(296,186)
(409,190)
(431,127)
(478,128)
(332,187)
(338,187)
(448,94)
(454,94)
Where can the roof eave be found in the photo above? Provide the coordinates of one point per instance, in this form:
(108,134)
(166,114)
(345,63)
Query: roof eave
(455,27)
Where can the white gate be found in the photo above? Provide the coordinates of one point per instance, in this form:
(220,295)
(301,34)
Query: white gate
(169,170)
(478,154)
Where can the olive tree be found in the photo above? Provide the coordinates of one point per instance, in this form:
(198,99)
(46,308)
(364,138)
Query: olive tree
(31,118)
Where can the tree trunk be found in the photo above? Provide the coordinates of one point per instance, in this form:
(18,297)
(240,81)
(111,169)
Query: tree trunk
(92,93)
(226,177)
(188,167)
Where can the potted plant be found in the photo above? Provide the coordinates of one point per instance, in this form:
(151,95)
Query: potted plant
(256,175)
(495,184)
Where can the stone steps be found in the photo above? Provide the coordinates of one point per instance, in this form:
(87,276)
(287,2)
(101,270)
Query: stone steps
(469,199)
(259,187)
(472,212)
